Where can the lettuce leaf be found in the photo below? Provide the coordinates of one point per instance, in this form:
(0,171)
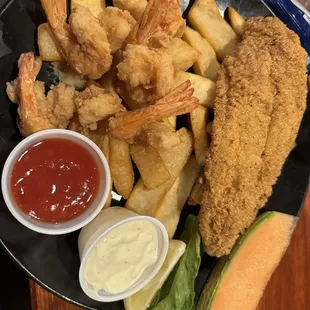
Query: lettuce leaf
(178,292)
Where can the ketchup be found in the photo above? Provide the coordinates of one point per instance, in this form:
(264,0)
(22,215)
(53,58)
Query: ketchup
(55,180)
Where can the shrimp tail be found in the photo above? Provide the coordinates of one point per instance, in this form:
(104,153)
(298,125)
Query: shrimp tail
(179,101)
(153,15)
(56,12)
(29,67)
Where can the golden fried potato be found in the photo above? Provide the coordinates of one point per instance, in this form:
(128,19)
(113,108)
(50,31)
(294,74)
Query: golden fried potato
(236,21)
(95,6)
(171,207)
(121,166)
(173,121)
(48,46)
(151,166)
(209,128)
(196,195)
(146,201)
(177,150)
(100,137)
(206,64)
(205,17)
(199,120)
(69,76)
(135,7)
(204,89)
(182,54)
(104,145)
(160,152)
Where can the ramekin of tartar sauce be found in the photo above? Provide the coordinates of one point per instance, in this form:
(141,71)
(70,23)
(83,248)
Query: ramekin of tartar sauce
(120,253)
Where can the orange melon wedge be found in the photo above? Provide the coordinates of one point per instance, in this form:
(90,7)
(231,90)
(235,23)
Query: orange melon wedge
(238,281)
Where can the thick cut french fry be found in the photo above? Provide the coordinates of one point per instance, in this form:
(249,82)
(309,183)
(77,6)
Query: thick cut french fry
(109,200)
(160,152)
(173,121)
(135,7)
(151,166)
(95,6)
(170,122)
(236,21)
(146,201)
(206,64)
(69,76)
(48,46)
(196,195)
(204,89)
(209,128)
(199,120)
(177,150)
(205,17)
(171,207)
(105,146)
(99,136)
(121,167)
(182,54)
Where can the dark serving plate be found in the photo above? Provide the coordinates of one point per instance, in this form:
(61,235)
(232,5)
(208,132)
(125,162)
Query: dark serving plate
(53,261)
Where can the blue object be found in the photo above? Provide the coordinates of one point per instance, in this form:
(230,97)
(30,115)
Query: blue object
(296,17)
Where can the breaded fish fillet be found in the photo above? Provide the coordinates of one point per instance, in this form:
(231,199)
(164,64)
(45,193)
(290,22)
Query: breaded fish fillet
(261,98)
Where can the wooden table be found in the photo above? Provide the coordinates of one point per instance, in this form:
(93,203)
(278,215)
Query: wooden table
(288,289)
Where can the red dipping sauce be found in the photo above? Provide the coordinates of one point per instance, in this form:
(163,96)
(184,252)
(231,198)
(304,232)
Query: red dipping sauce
(55,180)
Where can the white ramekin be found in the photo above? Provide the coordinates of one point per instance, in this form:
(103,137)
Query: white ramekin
(106,221)
(84,218)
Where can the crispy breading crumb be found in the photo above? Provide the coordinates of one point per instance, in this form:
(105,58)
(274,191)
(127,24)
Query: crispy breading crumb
(261,98)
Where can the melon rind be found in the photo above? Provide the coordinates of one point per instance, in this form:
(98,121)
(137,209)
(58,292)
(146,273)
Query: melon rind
(211,291)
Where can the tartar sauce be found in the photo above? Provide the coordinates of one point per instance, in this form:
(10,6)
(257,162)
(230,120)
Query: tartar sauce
(120,258)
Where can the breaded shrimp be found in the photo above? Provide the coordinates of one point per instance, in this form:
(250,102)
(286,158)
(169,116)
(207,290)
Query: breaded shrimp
(12,91)
(173,25)
(95,104)
(146,73)
(37,111)
(84,43)
(161,21)
(117,24)
(179,101)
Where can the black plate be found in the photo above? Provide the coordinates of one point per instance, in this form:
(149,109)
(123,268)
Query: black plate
(53,261)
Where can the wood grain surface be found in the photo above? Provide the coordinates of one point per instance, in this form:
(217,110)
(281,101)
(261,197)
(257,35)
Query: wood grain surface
(288,289)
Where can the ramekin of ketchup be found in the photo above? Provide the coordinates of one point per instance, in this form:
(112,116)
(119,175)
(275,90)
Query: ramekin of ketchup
(56,181)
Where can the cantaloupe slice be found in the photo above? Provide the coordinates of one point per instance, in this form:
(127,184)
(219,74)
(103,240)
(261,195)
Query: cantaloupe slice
(238,281)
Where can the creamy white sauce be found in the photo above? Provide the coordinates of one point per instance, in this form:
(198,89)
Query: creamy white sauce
(120,258)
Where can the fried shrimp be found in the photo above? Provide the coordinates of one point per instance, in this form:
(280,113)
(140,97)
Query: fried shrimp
(179,101)
(84,43)
(95,104)
(12,91)
(117,24)
(37,111)
(146,73)
(161,21)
